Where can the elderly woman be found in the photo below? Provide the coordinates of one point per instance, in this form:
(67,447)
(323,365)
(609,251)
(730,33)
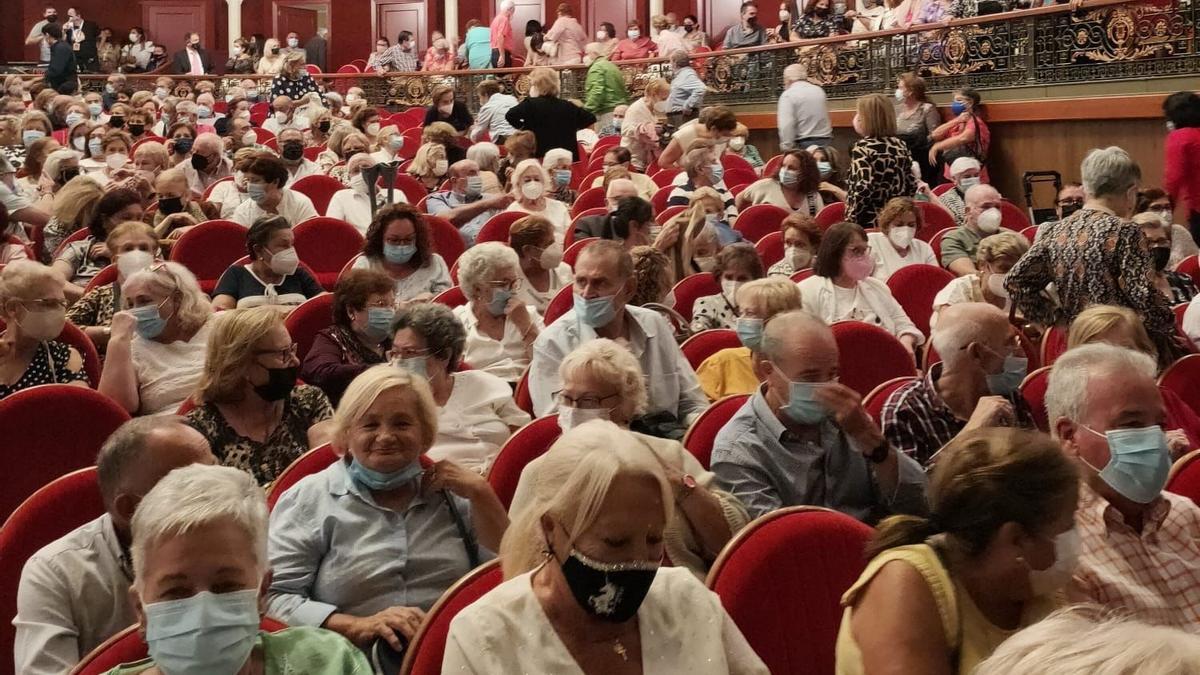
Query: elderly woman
(200,550)
(33,308)
(529,190)
(273,277)
(997,254)
(991,557)
(500,327)
(569,35)
(78,135)
(175,203)
(796,186)
(695,248)
(230,194)
(34,165)
(132,247)
(117,147)
(731,371)
(552,120)
(445,108)
(446,136)
(1175,286)
(842,288)
(704,170)
(363,308)
(801,239)
(541,269)
(248,405)
(157,344)
(430,166)
(586,591)
(81,260)
(353,204)
(180,138)
(896,244)
(365,547)
(487,156)
(880,163)
(715,126)
(639,130)
(151,159)
(74,202)
(736,265)
(266,178)
(398,243)
(557,164)
(740,146)
(387,142)
(344,142)
(916,119)
(439,58)
(476,412)
(520,146)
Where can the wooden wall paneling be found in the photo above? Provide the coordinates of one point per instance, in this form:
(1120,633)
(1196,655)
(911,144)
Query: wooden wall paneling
(392,16)
(527,10)
(167,21)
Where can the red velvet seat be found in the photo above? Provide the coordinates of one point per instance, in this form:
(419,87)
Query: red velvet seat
(562,302)
(320,189)
(832,213)
(447,240)
(128,646)
(659,200)
(664,178)
(702,434)
(527,444)
(590,198)
(772,166)
(1184,479)
(1183,378)
(873,401)
(781,580)
(759,221)
(451,297)
(915,287)
(74,336)
(263,134)
(576,247)
(663,217)
(770,249)
(209,249)
(497,227)
(691,288)
(305,321)
(77,235)
(326,245)
(803,274)
(888,357)
(63,504)
(314,461)
(738,177)
(569,237)
(1054,343)
(706,343)
(521,395)
(942,189)
(1033,390)
(1013,217)
(1191,267)
(935,220)
(209,190)
(428,646)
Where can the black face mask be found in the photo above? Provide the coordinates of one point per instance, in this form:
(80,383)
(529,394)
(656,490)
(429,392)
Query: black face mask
(324,126)
(67,174)
(1161,256)
(183,145)
(53,18)
(752,21)
(1068,209)
(280,382)
(116,122)
(609,591)
(170,205)
(688,29)
(137,129)
(293,151)
(199,162)
(275,50)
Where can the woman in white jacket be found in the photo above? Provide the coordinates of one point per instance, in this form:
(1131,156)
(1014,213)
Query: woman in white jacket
(896,244)
(842,289)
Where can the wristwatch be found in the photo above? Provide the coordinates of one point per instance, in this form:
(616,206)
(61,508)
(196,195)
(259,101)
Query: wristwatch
(880,454)
(689,486)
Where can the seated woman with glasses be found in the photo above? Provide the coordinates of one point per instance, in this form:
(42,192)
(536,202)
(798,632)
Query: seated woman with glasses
(249,407)
(398,243)
(476,412)
(500,327)
(33,307)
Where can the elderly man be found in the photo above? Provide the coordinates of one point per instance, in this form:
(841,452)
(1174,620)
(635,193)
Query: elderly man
(976,384)
(805,439)
(604,282)
(613,128)
(464,204)
(964,171)
(802,112)
(501,35)
(291,153)
(208,164)
(602,225)
(702,169)
(616,156)
(981,218)
(281,115)
(494,104)
(317,48)
(353,204)
(74,592)
(687,89)
(241,135)
(1139,547)
(604,88)
(747,32)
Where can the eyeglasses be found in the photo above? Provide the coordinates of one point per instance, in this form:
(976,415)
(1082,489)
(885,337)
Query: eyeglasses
(43,304)
(586,402)
(410,353)
(859,250)
(1070,202)
(286,354)
(507,284)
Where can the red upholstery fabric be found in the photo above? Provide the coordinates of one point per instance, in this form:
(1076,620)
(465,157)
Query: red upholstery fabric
(128,646)
(772,166)
(1030,233)
(935,242)
(521,395)
(209,249)
(1183,378)
(737,177)
(447,240)
(943,189)
(706,343)
(700,436)
(410,187)
(576,247)
(832,213)
(74,336)
(664,178)
(530,442)
(1033,390)
(590,198)
(105,277)
(51,512)
(664,216)
(759,221)
(451,297)
(659,200)
(731,161)
(263,134)
(311,317)
(936,219)
(1180,310)
(320,189)
(781,580)
(1191,267)
(1185,476)
(1054,343)
(569,237)
(412,142)
(313,461)
(888,359)
(497,227)
(425,652)
(39,447)
(873,402)
(326,245)
(803,274)
(562,302)
(915,287)
(770,249)
(691,288)
(1013,217)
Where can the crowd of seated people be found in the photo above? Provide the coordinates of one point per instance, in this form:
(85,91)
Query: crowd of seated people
(471,308)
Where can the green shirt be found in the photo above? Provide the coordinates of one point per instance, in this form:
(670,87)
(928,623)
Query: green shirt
(312,651)
(963,242)
(604,88)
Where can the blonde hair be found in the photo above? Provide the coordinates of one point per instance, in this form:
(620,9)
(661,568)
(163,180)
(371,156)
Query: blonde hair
(609,362)
(1005,243)
(230,350)
(166,279)
(385,133)
(439,132)
(156,151)
(75,203)
(693,227)
(367,387)
(774,294)
(130,228)
(524,167)
(876,115)
(173,176)
(658,88)
(570,485)
(546,81)
(1097,320)
(427,156)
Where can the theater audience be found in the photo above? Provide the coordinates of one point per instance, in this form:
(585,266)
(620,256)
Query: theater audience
(494,104)
(500,326)
(336,559)
(133,247)
(996,255)
(398,243)
(1137,546)
(1174,286)
(33,308)
(696,235)
(82,259)
(557,163)
(353,204)
(1153,200)
(74,200)
(363,309)
(991,557)
(981,218)
(429,166)
(731,371)
(716,124)
(157,345)
(230,194)
(801,239)
(552,120)
(268,195)
(464,204)
(896,244)
(542,271)
(964,173)
(208,163)
(880,164)
(735,265)
(601,507)
(446,108)
(476,411)
(639,130)
(273,277)
(291,155)
(740,146)
(795,186)
(966,134)
(530,195)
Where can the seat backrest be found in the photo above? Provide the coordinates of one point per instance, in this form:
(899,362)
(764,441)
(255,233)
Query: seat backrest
(209,248)
(527,444)
(309,318)
(702,434)
(264,135)
(942,189)
(38,447)
(706,343)
(589,198)
(915,287)
(428,646)
(935,242)
(770,249)
(75,337)
(1191,267)
(103,278)
(1033,390)
(129,646)
(759,221)
(1183,378)
(665,216)
(576,247)
(1013,217)
(889,358)
(664,177)
(451,297)
(803,274)
(691,288)
(319,188)
(78,235)
(561,303)
(209,190)
(314,461)
(781,580)
(659,200)
(55,509)
(521,395)
(327,244)
(1054,343)
(873,401)
(832,213)
(1184,479)
(772,166)
(1030,233)
(737,176)
(497,227)
(935,220)
(447,240)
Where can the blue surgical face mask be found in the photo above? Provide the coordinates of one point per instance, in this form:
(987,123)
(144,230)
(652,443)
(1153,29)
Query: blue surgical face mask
(395,143)
(825,169)
(1138,462)
(718,172)
(968,182)
(95,147)
(413,364)
(203,111)
(595,312)
(1010,378)
(500,298)
(802,406)
(562,177)
(474,187)
(958,107)
(94,109)
(749,331)
(257,192)
(379,322)
(150,322)
(399,254)
(29,136)
(74,118)
(378,480)
(206,633)
(788,176)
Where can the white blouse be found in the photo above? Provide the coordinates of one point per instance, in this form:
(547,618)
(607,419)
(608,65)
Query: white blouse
(556,212)
(433,278)
(888,259)
(475,421)
(506,358)
(683,628)
(559,277)
(168,373)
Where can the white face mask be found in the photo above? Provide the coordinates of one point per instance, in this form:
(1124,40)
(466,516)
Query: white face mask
(131,262)
(373,128)
(552,257)
(1066,558)
(737,143)
(660,107)
(729,289)
(285,262)
(995,284)
(532,190)
(569,418)
(601,36)
(358,183)
(705,263)
(634,34)
(440,167)
(902,235)
(116,160)
(989,221)
(249,138)
(281,117)
(801,257)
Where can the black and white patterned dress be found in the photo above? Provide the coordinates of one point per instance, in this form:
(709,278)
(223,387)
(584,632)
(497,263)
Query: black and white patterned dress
(283,85)
(880,170)
(48,366)
(713,311)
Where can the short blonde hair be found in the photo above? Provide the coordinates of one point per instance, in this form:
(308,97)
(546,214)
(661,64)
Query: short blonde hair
(546,81)
(231,349)
(20,277)
(171,177)
(155,151)
(384,133)
(775,294)
(368,386)
(427,156)
(130,228)
(612,363)
(658,88)
(167,279)
(482,261)
(523,167)
(75,203)
(439,132)
(1006,243)
(1097,320)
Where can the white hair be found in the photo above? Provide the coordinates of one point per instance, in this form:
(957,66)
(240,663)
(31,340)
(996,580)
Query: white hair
(784,328)
(527,166)
(609,361)
(978,193)
(485,154)
(627,184)
(195,496)
(480,263)
(1073,372)
(794,73)
(1080,641)
(1110,171)
(52,165)
(507,5)
(554,156)
(961,324)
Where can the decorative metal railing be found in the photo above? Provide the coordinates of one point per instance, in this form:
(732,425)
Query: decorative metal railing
(1104,41)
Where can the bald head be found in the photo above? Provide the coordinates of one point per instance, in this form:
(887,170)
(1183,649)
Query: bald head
(962,324)
(784,332)
(980,194)
(206,143)
(358,162)
(282,103)
(463,168)
(620,187)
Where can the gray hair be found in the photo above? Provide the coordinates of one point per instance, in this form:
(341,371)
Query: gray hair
(795,73)
(126,447)
(978,193)
(787,327)
(1110,171)
(679,59)
(482,262)
(1081,640)
(696,160)
(961,324)
(194,496)
(52,165)
(609,361)
(1067,392)
(554,156)
(166,279)
(442,332)
(486,155)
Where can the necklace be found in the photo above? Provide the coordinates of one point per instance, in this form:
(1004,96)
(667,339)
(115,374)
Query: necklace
(619,649)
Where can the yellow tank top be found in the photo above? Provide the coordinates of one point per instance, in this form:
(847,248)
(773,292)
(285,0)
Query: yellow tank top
(971,637)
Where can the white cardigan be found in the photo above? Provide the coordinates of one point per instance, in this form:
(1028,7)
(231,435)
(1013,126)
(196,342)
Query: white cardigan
(817,298)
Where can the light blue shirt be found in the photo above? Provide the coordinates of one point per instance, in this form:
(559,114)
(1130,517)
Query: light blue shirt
(491,118)
(670,381)
(687,91)
(446,200)
(768,467)
(333,549)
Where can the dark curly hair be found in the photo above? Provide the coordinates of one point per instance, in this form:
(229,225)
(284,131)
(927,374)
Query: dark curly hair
(373,245)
